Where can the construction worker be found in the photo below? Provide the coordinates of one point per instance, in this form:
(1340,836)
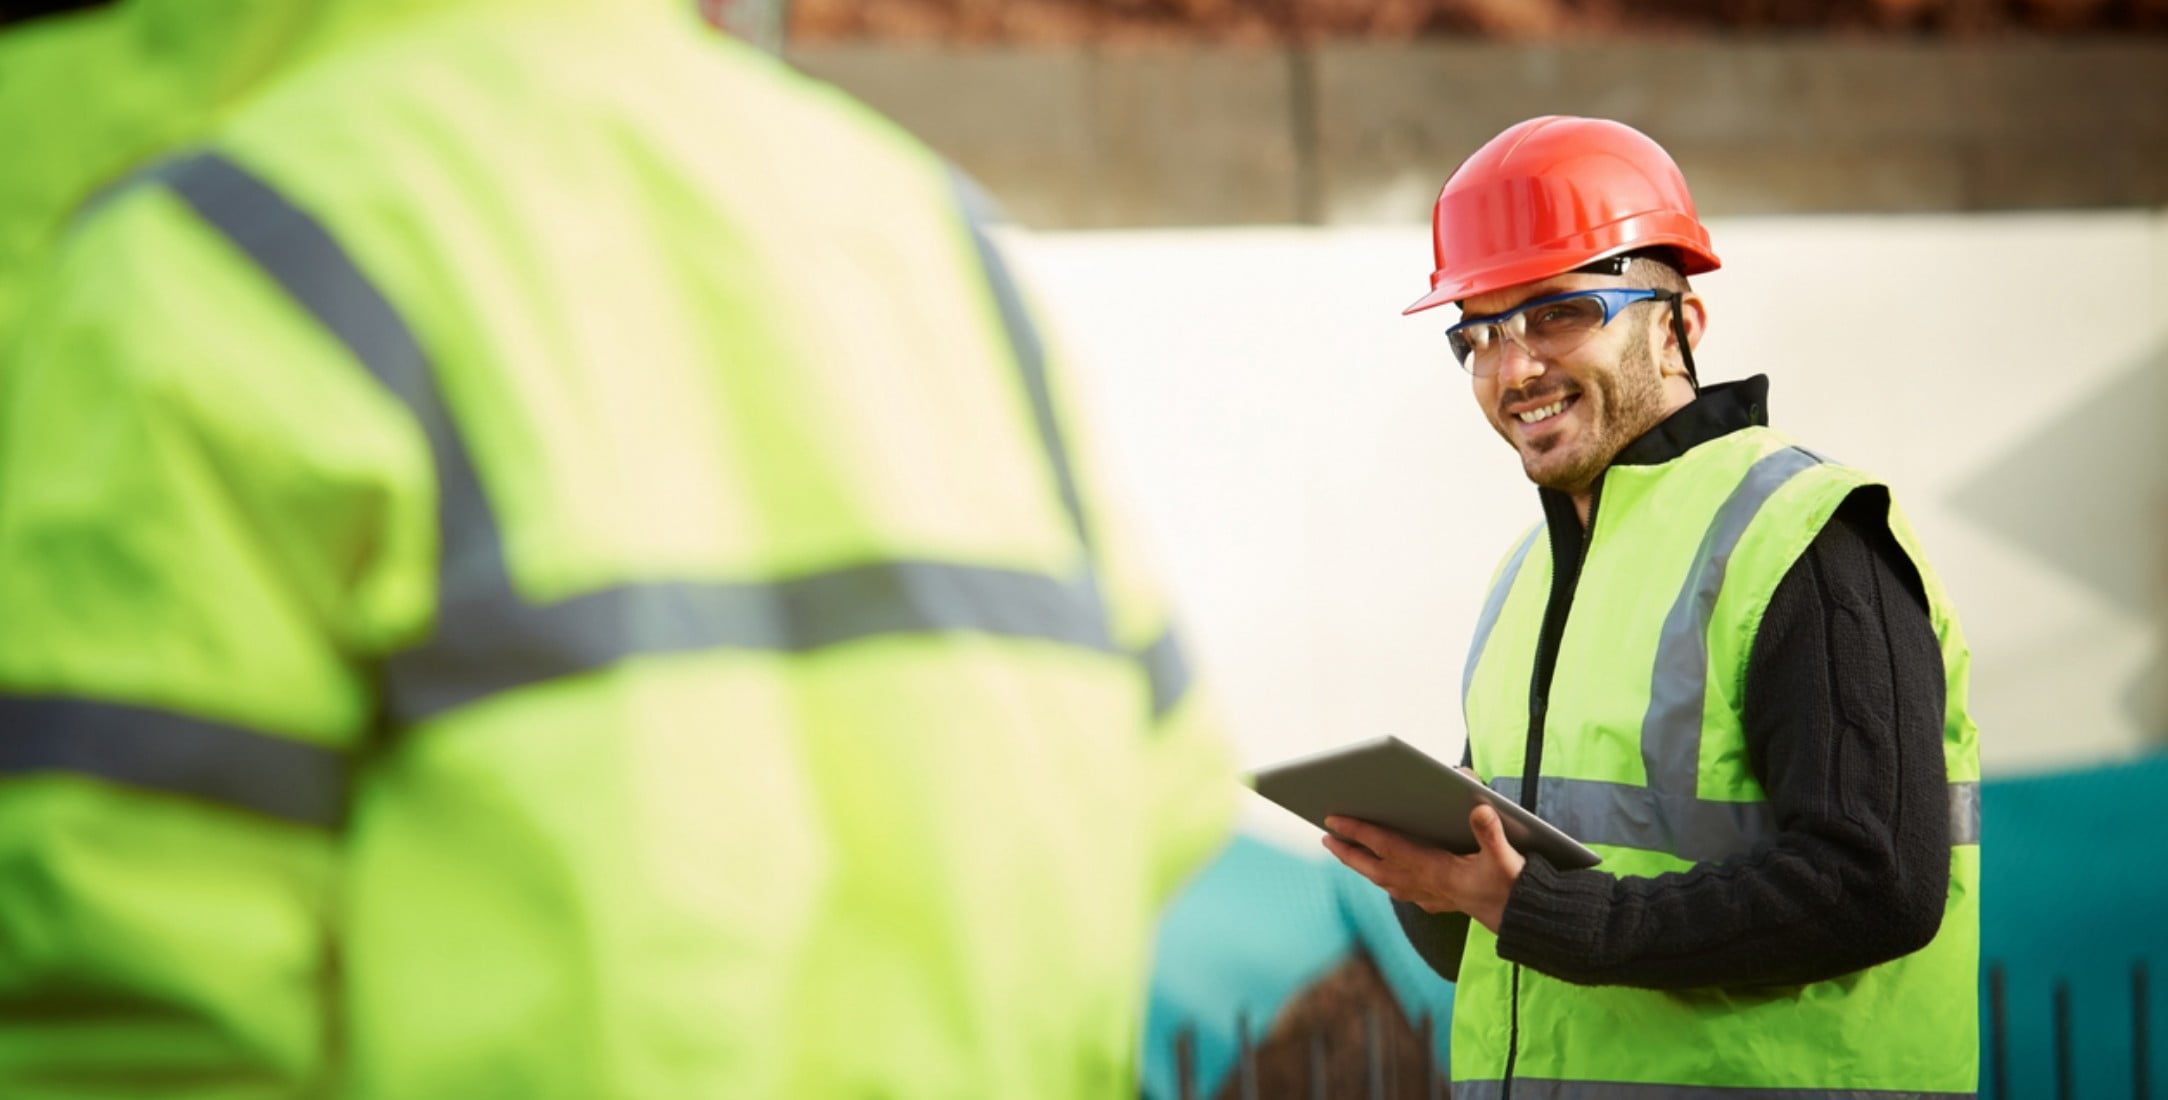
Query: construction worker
(543,555)
(1720,661)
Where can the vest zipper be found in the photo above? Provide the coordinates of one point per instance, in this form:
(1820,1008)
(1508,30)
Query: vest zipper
(1568,553)
(1559,519)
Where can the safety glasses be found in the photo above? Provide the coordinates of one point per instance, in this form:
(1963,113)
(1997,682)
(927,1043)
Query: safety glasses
(1544,328)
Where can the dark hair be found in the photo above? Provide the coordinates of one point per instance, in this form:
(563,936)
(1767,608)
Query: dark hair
(1656,269)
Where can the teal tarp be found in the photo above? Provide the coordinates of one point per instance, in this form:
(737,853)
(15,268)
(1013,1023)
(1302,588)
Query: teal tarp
(1254,930)
(2074,881)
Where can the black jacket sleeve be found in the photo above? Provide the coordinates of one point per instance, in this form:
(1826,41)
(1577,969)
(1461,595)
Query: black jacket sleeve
(1843,715)
(1439,938)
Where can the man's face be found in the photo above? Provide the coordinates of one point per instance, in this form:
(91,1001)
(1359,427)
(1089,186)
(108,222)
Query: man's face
(1570,415)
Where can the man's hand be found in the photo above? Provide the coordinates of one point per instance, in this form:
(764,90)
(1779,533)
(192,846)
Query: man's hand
(1434,879)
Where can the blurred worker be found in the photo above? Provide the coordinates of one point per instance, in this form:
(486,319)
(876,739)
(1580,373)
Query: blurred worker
(1721,661)
(542,555)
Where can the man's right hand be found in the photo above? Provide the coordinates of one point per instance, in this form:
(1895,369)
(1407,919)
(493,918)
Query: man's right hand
(1433,879)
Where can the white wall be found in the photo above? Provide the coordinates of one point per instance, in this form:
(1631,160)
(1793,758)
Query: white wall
(1328,503)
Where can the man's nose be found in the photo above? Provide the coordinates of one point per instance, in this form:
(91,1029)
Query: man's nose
(1516,367)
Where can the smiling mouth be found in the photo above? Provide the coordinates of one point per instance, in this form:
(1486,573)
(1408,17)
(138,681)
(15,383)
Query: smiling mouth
(1538,416)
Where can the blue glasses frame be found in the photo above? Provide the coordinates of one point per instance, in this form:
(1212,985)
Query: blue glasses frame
(1513,323)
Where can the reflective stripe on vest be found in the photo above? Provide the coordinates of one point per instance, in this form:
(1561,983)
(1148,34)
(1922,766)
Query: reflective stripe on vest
(1488,619)
(1671,734)
(1668,815)
(1623,815)
(488,639)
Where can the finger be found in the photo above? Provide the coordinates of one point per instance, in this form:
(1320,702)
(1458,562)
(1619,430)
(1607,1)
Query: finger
(1357,858)
(1377,838)
(1344,851)
(1490,831)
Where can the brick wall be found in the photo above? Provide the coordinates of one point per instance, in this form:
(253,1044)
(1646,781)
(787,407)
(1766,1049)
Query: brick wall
(1355,131)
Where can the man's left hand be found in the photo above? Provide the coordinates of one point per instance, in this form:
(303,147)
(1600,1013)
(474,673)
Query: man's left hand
(1433,879)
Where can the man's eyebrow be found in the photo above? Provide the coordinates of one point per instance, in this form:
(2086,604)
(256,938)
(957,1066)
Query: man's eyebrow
(1545,292)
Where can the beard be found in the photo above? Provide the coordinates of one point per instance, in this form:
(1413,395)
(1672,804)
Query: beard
(1628,401)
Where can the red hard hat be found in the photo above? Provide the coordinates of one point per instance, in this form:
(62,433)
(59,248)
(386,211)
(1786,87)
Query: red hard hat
(1554,193)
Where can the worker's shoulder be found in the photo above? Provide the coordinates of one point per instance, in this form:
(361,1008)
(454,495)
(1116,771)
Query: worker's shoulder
(550,96)
(444,154)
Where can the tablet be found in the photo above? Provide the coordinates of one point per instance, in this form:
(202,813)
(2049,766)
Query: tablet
(1388,782)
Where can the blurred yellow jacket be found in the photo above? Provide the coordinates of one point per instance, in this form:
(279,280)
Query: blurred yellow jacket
(542,555)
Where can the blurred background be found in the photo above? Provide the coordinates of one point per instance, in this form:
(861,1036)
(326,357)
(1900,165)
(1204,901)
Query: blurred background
(1945,233)
(1945,237)
(1944,226)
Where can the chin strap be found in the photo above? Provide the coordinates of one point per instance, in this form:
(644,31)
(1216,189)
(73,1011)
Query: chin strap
(1686,350)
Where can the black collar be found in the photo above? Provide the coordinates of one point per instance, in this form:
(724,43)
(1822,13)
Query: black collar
(1718,411)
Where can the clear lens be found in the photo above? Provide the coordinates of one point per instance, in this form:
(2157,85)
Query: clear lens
(1544,330)
(1462,345)
(1569,319)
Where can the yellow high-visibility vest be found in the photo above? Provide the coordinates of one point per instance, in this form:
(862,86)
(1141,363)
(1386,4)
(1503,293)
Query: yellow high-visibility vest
(1644,759)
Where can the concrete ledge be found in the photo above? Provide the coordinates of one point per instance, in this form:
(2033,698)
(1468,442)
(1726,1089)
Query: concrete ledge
(1358,132)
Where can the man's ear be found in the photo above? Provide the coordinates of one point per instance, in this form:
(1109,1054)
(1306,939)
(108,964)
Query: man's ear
(1695,313)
